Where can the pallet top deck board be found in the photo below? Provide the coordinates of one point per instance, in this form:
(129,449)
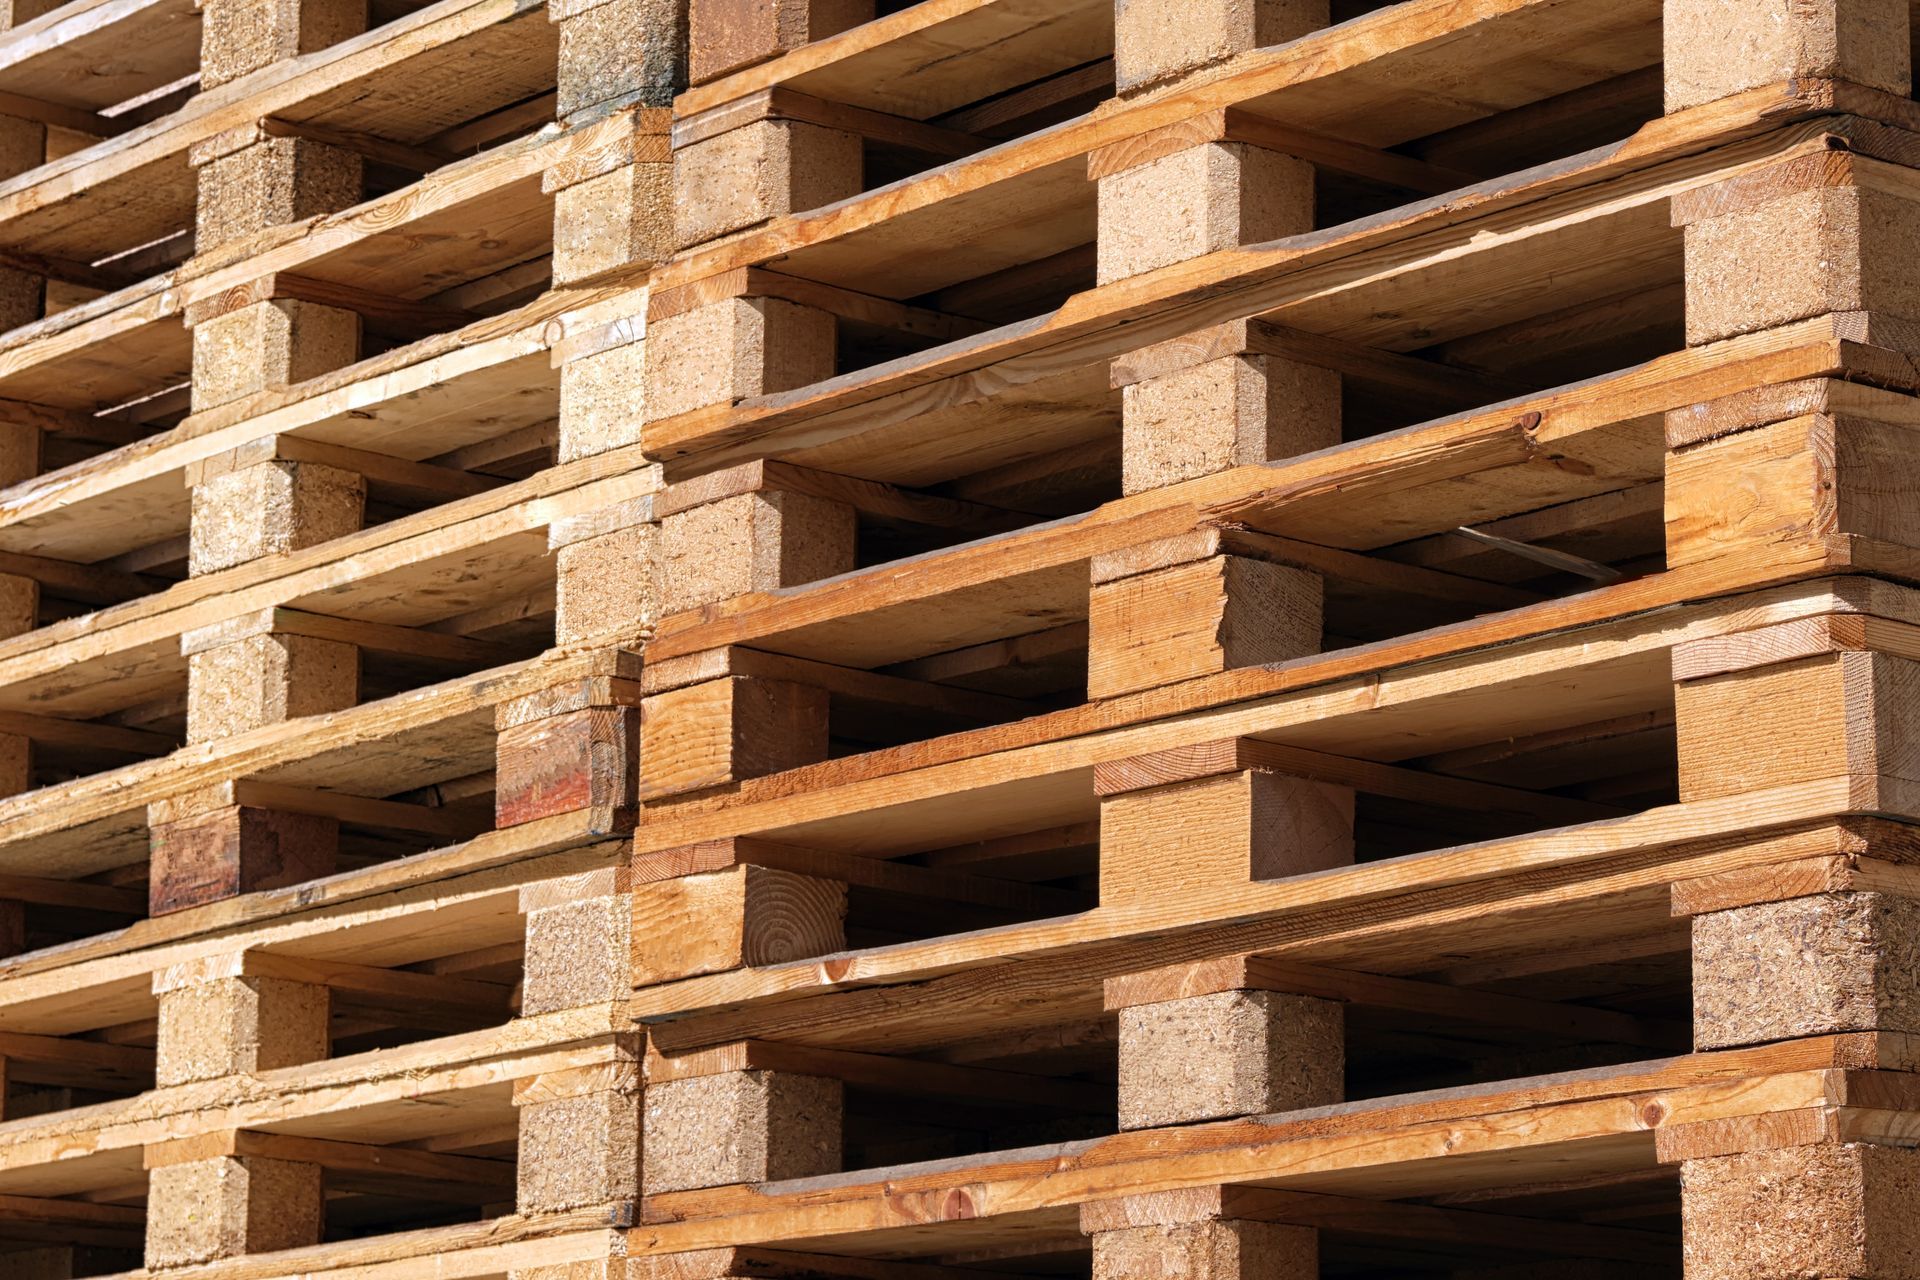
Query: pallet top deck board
(470,216)
(87,1172)
(1434,67)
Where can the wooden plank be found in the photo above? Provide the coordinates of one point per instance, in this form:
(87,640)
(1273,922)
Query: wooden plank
(86,735)
(370,916)
(1370,365)
(407,1095)
(1313,86)
(407,318)
(897,692)
(461,223)
(863,308)
(1784,881)
(118,348)
(409,571)
(89,583)
(1372,572)
(923,605)
(83,275)
(77,894)
(416,159)
(392,745)
(359,810)
(1232,125)
(480,1250)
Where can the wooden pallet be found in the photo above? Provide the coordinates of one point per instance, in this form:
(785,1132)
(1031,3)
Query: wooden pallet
(832,640)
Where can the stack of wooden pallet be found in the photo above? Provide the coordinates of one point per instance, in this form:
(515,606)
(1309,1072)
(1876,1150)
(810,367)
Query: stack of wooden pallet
(864,640)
